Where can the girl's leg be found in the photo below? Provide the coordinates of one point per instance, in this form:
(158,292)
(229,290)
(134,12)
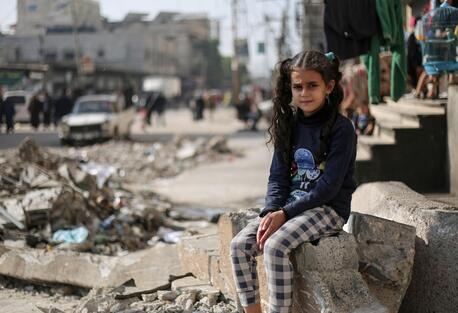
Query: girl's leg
(243,252)
(308,226)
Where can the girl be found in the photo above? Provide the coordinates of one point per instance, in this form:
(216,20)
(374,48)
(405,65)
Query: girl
(311,178)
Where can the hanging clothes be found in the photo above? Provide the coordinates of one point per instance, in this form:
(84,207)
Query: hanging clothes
(392,36)
(349,26)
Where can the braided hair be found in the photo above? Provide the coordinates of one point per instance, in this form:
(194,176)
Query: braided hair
(283,120)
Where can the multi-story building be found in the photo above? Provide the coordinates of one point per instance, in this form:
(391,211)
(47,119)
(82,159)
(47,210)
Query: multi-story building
(35,17)
(115,51)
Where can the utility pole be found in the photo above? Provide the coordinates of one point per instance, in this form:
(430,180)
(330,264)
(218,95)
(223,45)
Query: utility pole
(76,41)
(235,59)
(283,46)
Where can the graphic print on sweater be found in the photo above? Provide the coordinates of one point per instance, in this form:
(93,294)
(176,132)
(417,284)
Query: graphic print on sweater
(304,174)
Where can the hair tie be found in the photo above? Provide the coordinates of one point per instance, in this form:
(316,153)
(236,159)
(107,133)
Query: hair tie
(330,56)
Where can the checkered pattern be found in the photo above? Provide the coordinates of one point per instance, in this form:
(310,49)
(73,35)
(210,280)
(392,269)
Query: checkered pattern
(305,227)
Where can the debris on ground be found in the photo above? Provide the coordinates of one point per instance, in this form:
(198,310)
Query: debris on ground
(79,198)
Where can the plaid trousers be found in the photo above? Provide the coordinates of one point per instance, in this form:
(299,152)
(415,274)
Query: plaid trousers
(308,226)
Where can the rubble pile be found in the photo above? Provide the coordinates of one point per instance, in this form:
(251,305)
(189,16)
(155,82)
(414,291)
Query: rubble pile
(175,299)
(139,163)
(80,200)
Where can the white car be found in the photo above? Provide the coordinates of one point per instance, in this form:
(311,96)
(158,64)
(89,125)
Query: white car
(94,118)
(20,99)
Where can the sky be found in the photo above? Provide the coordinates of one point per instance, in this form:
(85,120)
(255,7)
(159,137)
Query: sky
(250,21)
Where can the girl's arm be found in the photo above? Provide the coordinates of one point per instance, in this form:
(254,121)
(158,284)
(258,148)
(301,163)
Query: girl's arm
(278,186)
(342,151)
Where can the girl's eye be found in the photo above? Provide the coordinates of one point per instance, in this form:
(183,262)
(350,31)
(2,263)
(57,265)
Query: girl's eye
(312,85)
(297,87)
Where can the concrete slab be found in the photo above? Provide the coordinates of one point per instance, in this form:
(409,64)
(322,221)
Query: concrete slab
(149,268)
(433,287)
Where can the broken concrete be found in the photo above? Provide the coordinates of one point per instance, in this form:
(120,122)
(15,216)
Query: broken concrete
(87,270)
(327,278)
(434,280)
(199,249)
(189,295)
(228,226)
(327,274)
(386,251)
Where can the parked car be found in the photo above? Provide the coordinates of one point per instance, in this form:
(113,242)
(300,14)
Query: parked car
(21,99)
(96,118)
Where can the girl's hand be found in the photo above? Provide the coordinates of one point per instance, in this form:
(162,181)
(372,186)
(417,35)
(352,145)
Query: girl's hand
(269,224)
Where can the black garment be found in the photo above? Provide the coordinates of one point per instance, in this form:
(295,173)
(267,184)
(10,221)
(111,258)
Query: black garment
(349,26)
(199,110)
(9,111)
(413,58)
(35,109)
(303,184)
(62,106)
(160,104)
(47,110)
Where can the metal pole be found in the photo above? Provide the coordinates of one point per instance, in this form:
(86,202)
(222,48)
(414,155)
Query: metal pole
(235,59)
(76,42)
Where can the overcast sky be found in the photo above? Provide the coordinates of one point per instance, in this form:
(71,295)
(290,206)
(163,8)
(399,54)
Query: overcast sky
(251,17)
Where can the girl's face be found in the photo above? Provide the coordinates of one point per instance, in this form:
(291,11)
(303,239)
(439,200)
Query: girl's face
(309,90)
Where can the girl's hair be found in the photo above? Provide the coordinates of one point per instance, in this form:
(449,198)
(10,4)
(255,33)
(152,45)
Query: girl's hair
(283,120)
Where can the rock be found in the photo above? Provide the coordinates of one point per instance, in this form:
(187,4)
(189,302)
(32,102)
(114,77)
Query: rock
(191,283)
(167,295)
(149,297)
(97,301)
(186,300)
(209,300)
(436,246)
(218,144)
(172,308)
(386,252)
(224,308)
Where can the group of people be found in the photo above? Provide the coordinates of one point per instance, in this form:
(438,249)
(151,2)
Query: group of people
(47,110)
(42,108)
(201,101)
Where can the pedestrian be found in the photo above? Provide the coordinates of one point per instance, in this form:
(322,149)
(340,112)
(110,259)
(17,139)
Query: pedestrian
(199,107)
(62,106)
(9,111)
(160,104)
(47,108)
(35,108)
(150,100)
(311,178)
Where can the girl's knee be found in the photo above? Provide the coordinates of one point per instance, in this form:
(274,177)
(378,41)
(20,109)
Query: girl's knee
(274,247)
(238,243)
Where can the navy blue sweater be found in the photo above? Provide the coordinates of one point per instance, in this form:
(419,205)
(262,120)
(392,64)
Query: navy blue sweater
(305,185)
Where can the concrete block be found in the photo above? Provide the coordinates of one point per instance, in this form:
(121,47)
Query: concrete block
(327,279)
(433,287)
(452,137)
(331,254)
(326,275)
(386,251)
(195,253)
(228,226)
